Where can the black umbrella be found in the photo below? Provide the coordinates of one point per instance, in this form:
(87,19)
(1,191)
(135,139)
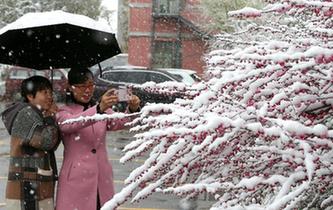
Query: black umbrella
(56,40)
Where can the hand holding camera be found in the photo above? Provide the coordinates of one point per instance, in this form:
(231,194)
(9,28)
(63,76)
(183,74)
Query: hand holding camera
(122,94)
(134,103)
(125,94)
(109,98)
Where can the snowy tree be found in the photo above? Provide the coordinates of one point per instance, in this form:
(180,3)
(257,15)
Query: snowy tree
(10,10)
(217,12)
(90,8)
(258,134)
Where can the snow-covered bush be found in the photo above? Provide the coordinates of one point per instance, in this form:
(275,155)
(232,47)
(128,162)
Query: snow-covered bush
(258,134)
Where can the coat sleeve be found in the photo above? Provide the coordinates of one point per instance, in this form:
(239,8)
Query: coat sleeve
(35,131)
(66,114)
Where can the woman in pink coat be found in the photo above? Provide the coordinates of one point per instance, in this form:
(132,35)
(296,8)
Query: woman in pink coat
(85,179)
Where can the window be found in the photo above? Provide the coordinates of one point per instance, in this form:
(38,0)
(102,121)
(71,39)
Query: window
(111,76)
(40,73)
(158,77)
(166,55)
(178,77)
(167,7)
(57,75)
(19,74)
(135,77)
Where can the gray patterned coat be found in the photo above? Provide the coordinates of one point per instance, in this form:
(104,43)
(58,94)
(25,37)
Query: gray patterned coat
(32,168)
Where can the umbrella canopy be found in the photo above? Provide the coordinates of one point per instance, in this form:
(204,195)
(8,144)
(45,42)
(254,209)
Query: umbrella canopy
(56,40)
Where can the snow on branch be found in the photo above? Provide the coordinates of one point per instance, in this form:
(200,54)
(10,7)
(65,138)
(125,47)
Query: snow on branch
(99,117)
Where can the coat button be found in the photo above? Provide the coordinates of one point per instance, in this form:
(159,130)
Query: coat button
(93,151)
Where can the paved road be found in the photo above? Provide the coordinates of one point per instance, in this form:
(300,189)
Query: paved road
(116,141)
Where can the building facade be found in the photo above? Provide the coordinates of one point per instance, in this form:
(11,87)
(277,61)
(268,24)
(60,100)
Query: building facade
(166,33)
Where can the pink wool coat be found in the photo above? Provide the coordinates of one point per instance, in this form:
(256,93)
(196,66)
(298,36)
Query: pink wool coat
(85,167)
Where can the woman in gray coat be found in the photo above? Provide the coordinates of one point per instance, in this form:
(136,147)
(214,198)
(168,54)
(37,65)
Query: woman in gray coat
(34,137)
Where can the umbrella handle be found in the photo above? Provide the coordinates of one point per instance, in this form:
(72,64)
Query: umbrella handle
(100,69)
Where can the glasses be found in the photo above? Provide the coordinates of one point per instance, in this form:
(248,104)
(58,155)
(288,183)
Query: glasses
(84,87)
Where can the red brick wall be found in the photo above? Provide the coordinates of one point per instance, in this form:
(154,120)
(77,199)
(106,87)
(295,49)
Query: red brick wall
(140,20)
(139,23)
(192,52)
(139,51)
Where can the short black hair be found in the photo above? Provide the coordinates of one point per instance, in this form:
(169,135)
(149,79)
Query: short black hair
(32,85)
(78,75)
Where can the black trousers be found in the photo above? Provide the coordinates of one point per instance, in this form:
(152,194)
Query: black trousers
(98,202)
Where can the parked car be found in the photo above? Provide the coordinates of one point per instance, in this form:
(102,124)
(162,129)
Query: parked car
(15,76)
(113,77)
(117,60)
(187,76)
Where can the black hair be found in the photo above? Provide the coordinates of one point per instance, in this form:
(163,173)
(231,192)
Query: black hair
(78,75)
(32,85)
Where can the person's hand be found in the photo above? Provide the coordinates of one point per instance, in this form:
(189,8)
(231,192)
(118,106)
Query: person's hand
(134,103)
(51,111)
(108,99)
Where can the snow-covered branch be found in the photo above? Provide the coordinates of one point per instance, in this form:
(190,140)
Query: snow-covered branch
(258,134)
